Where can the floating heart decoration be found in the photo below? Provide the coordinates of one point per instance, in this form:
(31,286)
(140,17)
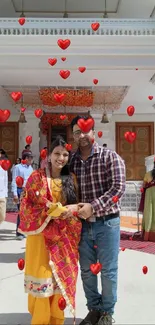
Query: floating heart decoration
(62,303)
(100,133)
(22,109)
(43,153)
(29,139)
(4,115)
(85,125)
(59,97)
(5,164)
(64,74)
(130,136)
(122,249)
(115,199)
(136,68)
(82,69)
(21,264)
(16,95)
(24,161)
(68,147)
(141,190)
(95,81)
(63,44)
(130,110)
(150,97)
(96,268)
(52,61)
(19,181)
(145,269)
(63,117)
(38,112)
(95,26)
(21,21)
(63,59)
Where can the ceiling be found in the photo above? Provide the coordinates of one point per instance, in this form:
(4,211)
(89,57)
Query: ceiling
(79,9)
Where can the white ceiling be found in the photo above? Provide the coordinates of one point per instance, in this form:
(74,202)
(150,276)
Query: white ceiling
(80,8)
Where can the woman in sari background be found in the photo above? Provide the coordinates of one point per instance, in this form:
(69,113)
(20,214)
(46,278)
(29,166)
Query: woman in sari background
(147,206)
(53,233)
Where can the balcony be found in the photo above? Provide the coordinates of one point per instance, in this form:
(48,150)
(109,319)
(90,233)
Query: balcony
(80,27)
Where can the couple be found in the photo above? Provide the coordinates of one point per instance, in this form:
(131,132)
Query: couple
(57,233)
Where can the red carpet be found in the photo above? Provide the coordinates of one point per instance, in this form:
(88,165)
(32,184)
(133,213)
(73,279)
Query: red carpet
(135,242)
(127,239)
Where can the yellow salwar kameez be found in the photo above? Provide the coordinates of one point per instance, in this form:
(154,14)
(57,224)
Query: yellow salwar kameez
(43,310)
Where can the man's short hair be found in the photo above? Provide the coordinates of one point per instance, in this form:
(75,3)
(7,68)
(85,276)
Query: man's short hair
(78,117)
(27,155)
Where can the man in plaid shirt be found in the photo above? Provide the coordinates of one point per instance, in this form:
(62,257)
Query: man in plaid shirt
(101,180)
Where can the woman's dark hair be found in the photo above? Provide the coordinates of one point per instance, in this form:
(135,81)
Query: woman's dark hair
(27,146)
(68,187)
(18,159)
(153,171)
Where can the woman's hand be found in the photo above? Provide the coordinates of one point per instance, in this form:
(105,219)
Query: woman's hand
(71,208)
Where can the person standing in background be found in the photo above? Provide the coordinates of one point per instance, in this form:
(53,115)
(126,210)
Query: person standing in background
(3,188)
(24,171)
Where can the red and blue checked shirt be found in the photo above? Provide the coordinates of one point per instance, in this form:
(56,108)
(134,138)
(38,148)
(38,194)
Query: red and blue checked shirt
(100,178)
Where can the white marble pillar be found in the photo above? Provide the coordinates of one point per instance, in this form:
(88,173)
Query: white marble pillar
(30,128)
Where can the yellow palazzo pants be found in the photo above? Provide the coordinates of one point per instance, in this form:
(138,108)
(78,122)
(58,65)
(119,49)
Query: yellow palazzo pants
(44,310)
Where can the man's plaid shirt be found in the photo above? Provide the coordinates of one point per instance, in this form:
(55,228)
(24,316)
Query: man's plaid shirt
(100,178)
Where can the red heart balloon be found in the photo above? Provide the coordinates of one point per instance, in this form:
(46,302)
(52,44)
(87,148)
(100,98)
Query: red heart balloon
(16,95)
(68,147)
(29,139)
(82,69)
(19,181)
(22,109)
(141,190)
(100,133)
(95,81)
(59,97)
(21,21)
(21,264)
(24,161)
(126,134)
(96,268)
(43,153)
(52,61)
(63,117)
(130,110)
(38,112)
(115,199)
(150,97)
(145,269)
(63,44)
(5,164)
(95,26)
(64,74)
(122,249)
(85,125)
(130,136)
(62,303)
(63,59)
(4,115)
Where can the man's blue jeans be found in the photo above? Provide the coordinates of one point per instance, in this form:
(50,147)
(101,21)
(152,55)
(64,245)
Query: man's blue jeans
(19,191)
(105,234)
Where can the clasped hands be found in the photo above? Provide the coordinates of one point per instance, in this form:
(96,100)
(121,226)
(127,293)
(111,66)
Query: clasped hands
(84,210)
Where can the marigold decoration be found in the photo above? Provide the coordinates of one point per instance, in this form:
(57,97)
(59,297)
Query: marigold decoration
(54,119)
(80,98)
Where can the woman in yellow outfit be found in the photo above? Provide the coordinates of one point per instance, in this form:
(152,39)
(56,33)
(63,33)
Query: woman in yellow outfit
(48,216)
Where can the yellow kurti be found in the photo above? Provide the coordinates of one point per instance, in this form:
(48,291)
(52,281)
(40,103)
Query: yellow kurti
(44,310)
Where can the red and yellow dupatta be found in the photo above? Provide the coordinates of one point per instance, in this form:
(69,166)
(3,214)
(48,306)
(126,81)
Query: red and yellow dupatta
(61,236)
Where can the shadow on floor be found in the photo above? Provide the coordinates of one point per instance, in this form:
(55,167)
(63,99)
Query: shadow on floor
(11,257)
(25,319)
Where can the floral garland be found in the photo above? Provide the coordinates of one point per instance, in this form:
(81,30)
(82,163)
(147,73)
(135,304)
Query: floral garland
(54,119)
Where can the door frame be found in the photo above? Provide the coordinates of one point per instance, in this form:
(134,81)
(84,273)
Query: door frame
(16,124)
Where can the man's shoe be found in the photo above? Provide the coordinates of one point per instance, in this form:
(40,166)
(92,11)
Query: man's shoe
(106,319)
(92,318)
(20,237)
